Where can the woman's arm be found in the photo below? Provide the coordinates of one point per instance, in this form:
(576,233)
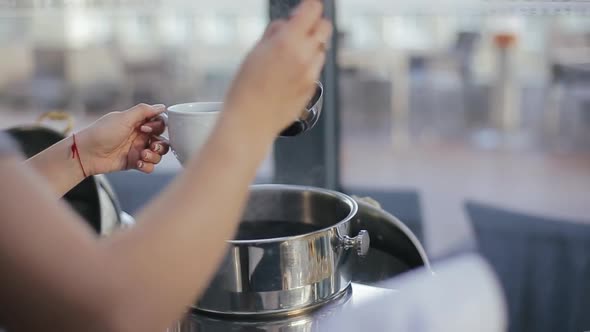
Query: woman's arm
(183,232)
(57,276)
(117,141)
(58,167)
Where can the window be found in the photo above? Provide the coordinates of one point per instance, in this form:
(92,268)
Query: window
(490,103)
(113,55)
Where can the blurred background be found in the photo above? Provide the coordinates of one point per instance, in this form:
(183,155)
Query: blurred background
(469,121)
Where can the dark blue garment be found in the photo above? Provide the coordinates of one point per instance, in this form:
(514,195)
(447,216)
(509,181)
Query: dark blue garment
(543,265)
(134,189)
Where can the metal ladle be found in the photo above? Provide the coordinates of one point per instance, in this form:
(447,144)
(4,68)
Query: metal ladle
(309,116)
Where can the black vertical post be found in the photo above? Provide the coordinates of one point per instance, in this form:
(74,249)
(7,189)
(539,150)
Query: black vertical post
(312,158)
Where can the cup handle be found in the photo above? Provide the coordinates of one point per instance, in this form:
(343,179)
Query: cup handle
(164,118)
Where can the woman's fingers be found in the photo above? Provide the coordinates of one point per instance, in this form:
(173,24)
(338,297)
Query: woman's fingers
(306,15)
(273,27)
(150,157)
(145,167)
(141,112)
(316,67)
(154,127)
(322,34)
(160,147)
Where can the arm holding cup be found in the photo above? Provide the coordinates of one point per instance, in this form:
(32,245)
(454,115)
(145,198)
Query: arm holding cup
(144,278)
(118,141)
(272,86)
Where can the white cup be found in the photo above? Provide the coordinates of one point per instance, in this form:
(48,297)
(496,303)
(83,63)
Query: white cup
(189,127)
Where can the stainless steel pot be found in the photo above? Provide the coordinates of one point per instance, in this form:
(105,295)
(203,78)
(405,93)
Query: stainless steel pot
(299,323)
(354,298)
(394,251)
(292,253)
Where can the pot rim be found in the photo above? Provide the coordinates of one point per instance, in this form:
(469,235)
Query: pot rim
(343,197)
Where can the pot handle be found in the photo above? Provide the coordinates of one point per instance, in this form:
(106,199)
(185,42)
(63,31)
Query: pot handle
(361,242)
(367,200)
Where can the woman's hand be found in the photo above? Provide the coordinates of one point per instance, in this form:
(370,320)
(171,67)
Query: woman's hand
(118,283)
(278,76)
(124,140)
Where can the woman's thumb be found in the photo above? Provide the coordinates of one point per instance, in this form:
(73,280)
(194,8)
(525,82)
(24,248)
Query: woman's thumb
(143,112)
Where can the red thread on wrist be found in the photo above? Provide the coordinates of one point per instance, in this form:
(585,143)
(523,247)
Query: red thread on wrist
(75,153)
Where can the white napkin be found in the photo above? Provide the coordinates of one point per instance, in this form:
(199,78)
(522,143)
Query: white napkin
(462,295)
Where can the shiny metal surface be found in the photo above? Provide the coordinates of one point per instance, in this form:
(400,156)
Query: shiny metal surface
(393,237)
(394,248)
(309,116)
(354,296)
(361,243)
(289,274)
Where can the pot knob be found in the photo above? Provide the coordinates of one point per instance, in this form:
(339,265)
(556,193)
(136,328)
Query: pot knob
(361,242)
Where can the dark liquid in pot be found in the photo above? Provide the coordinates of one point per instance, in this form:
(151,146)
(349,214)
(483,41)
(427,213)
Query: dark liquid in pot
(258,230)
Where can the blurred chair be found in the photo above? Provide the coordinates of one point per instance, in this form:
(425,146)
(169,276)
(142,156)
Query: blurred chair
(149,71)
(437,101)
(97,75)
(365,102)
(49,87)
(16,70)
(543,265)
(402,204)
(463,52)
(443,97)
(567,116)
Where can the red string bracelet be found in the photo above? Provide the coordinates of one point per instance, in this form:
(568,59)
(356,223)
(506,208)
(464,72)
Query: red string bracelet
(75,153)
